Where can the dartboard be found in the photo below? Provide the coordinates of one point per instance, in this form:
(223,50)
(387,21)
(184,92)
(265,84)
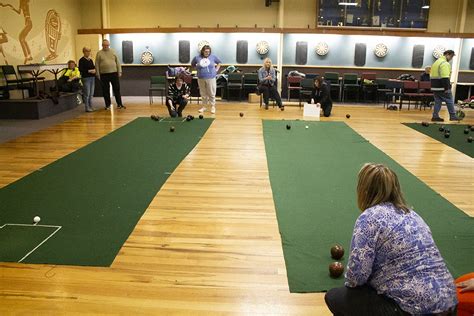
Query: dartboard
(438,51)
(263,48)
(147,57)
(202,43)
(381,50)
(322,48)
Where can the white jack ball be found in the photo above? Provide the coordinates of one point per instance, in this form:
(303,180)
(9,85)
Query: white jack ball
(36,219)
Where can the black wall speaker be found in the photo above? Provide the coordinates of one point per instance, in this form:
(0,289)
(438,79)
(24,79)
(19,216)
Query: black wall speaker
(127,52)
(301,56)
(471,61)
(360,54)
(418,56)
(184,52)
(242,52)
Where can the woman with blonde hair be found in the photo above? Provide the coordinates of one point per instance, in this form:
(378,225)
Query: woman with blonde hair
(394,265)
(267,83)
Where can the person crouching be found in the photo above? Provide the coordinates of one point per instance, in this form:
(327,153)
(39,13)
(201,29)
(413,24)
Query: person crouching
(321,95)
(177,99)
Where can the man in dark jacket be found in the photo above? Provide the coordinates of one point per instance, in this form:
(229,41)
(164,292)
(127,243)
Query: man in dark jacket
(322,94)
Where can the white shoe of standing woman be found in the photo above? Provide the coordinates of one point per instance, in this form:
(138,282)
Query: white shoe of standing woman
(213,110)
(201,110)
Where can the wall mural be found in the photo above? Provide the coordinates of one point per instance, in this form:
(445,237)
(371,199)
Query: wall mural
(3,39)
(52,30)
(41,46)
(23,8)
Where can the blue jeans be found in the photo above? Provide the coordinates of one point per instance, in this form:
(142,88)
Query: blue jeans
(89,86)
(442,96)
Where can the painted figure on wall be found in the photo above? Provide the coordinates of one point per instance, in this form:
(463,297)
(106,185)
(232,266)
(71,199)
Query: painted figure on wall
(52,29)
(24,8)
(3,39)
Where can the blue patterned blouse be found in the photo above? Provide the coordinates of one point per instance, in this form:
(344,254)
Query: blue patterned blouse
(395,253)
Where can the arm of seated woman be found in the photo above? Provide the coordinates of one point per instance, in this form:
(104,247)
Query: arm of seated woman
(362,256)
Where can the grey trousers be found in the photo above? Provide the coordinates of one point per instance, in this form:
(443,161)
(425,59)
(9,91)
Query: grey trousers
(207,89)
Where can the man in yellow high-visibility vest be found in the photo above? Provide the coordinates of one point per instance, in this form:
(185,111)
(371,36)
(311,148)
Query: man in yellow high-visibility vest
(441,86)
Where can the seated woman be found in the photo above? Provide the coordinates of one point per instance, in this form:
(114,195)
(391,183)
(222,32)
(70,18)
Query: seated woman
(267,84)
(70,81)
(177,99)
(394,265)
(321,95)
(425,76)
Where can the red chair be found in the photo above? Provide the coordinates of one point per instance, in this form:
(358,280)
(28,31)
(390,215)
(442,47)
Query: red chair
(426,94)
(293,83)
(410,92)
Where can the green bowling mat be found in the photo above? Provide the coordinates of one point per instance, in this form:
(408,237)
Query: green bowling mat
(456,140)
(313,174)
(95,195)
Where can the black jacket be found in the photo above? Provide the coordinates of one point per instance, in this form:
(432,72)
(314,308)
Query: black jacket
(322,95)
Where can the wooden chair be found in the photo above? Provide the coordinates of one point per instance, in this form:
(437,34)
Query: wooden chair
(410,92)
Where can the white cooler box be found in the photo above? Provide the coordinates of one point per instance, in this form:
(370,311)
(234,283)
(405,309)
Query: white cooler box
(311,110)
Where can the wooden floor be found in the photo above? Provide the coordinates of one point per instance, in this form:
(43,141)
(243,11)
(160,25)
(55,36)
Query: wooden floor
(208,244)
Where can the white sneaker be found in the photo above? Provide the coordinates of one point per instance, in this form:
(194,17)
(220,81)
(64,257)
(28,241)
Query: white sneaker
(201,110)
(213,110)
